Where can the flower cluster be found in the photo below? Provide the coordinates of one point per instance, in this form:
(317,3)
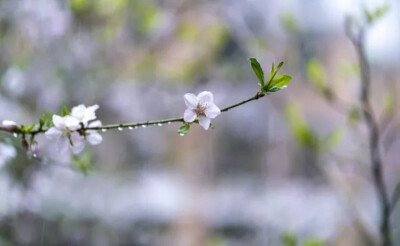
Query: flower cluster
(70,131)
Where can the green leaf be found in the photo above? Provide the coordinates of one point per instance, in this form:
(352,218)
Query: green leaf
(184,129)
(378,13)
(313,242)
(280,81)
(288,22)
(83,163)
(316,74)
(332,139)
(302,133)
(29,128)
(289,239)
(64,110)
(273,73)
(46,120)
(258,71)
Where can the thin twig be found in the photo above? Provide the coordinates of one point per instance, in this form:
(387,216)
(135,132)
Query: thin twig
(374,139)
(131,125)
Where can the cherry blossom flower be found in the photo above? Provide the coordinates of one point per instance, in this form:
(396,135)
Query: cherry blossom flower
(84,114)
(202,107)
(9,123)
(92,136)
(64,132)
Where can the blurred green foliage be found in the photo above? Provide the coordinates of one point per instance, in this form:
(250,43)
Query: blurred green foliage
(305,134)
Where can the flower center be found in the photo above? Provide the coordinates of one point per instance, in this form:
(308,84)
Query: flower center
(200,110)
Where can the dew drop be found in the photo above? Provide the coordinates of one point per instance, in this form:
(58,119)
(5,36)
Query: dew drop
(130,128)
(120,129)
(144,126)
(169,122)
(159,124)
(181,134)
(34,155)
(15,134)
(103,130)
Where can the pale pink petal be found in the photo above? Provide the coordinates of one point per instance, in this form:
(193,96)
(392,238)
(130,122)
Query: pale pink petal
(58,121)
(212,111)
(53,132)
(94,137)
(78,147)
(205,98)
(72,123)
(62,144)
(9,123)
(78,112)
(204,122)
(96,123)
(78,143)
(190,100)
(189,115)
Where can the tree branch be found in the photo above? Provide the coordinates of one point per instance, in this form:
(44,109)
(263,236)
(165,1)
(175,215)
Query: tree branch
(374,138)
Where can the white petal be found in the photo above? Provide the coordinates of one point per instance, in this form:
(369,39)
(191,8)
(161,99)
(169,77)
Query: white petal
(190,100)
(90,113)
(189,115)
(78,143)
(9,123)
(212,111)
(53,132)
(62,144)
(204,122)
(77,148)
(78,112)
(72,123)
(96,123)
(205,98)
(94,137)
(58,121)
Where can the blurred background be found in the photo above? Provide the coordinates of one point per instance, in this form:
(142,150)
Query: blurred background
(292,166)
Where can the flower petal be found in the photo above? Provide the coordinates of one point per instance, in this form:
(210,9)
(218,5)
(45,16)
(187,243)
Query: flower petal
(58,121)
(77,148)
(205,98)
(204,122)
(53,132)
(78,112)
(72,123)
(78,143)
(189,115)
(62,144)
(9,123)
(96,123)
(190,100)
(212,111)
(94,137)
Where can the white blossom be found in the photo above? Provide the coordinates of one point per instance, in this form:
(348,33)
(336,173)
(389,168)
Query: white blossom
(84,114)
(7,152)
(9,123)
(202,107)
(93,136)
(64,132)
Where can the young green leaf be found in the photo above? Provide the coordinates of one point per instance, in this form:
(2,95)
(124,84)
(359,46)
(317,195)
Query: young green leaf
(83,163)
(64,110)
(289,239)
(273,73)
(281,81)
(184,129)
(258,71)
(316,74)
